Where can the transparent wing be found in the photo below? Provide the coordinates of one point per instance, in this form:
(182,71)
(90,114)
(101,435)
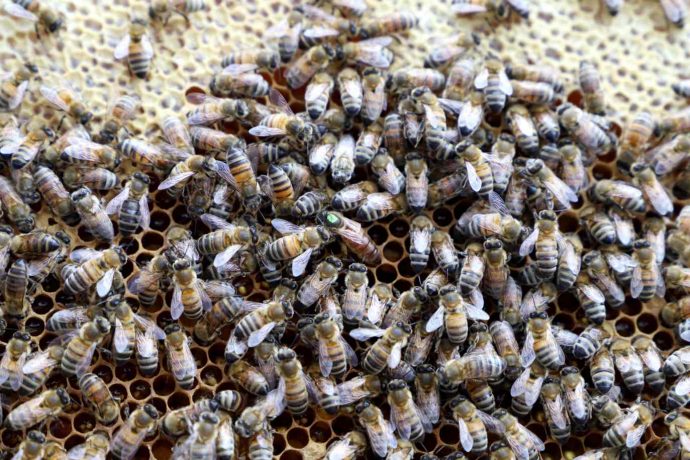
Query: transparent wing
(315,90)
(176,306)
(285,227)
(555,408)
(105,283)
(147,48)
(265,131)
(527,355)
(115,204)
(520,385)
(174,180)
(436,320)
(20,12)
(527,246)
(482,79)
(325,363)
(258,336)
(14,102)
(145,218)
(473,177)
(52,96)
(504,84)
(38,362)
(465,437)
(395,357)
(122,48)
(365,333)
(222,258)
(299,263)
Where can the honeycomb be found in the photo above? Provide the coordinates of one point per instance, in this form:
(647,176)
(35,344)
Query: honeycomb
(638,53)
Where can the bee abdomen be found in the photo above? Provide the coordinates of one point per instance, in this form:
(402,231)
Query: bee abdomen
(129,217)
(139,64)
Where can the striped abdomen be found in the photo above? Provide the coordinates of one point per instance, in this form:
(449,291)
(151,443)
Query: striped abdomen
(546,252)
(296,395)
(139,64)
(129,217)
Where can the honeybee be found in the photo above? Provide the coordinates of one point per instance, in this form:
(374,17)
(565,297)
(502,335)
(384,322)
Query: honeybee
(38,368)
(32,447)
(317,94)
(421,229)
(652,360)
(316,284)
(334,352)
(536,169)
(293,381)
(507,347)
(12,363)
(16,285)
(255,418)
(444,251)
(352,196)
(500,450)
(654,192)
(577,400)
(355,295)
(590,83)
(255,326)
(681,88)
(453,313)
(629,364)
(211,110)
(95,267)
(297,244)
(82,344)
(212,140)
(44,17)
(588,134)
(239,80)
(379,205)
(18,212)
(494,83)
(541,344)
(618,193)
(410,302)
(354,237)
(343,160)
(407,417)
(48,404)
(122,110)
(348,447)
(554,409)
(413,77)
(14,86)
(548,243)
(628,428)
(136,47)
(350,88)
(368,143)
(177,422)
(373,95)
(264,58)
(287,33)
(526,388)
(428,397)
(141,422)
(602,370)
(131,205)
(647,279)
(400,21)
(668,156)
(480,362)
(180,358)
(313,60)
(416,182)
(634,140)
(522,441)
(96,393)
(386,351)
(490,225)
(675,11)
(378,429)
(93,215)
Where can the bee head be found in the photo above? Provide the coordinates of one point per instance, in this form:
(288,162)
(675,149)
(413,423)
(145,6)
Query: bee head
(23,336)
(492,244)
(539,315)
(671,417)
(638,167)
(568,371)
(181,264)
(285,354)
(547,214)
(151,411)
(396,385)
(641,244)
(63,395)
(362,406)
(36,436)
(425,368)
(172,328)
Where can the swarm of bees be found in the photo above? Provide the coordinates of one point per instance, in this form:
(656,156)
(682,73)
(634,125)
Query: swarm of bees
(288,199)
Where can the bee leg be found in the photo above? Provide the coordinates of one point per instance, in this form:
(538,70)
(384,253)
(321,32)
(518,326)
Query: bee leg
(184,15)
(61,120)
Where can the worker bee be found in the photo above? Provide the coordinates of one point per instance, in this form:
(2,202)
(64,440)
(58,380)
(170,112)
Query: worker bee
(141,422)
(97,394)
(92,214)
(146,282)
(523,128)
(554,409)
(258,324)
(13,360)
(18,212)
(317,94)
(588,342)
(378,429)
(373,95)
(297,244)
(654,192)
(380,298)
(634,140)
(647,279)
(576,397)
(541,344)
(416,182)
(355,295)
(94,178)
(413,77)
(667,156)
(32,447)
(407,417)
(588,134)
(428,396)
(212,140)
(526,388)
(409,302)
(264,58)
(590,83)
(313,60)
(161,10)
(368,143)
(548,243)
(491,225)
(652,360)
(386,351)
(45,18)
(292,381)
(131,205)
(536,170)
(136,47)
(572,167)
(522,441)
(681,88)
(316,284)
(287,33)
(393,23)
(494,83)
(421,230)
(121,111)
(599,225)
(629,365)
(472,270)
(444,251)
(239,80)
(379,205)
(453,313)
(177,422)
(507,347)
(602,370)
(628,428)
(14,85)
(334,352)
(82,344)
(343,160)
(48,404)
(95,267)
(67,100)
(352,196)
(350,88)
(38,368)
(212,110)
(618,193)
(180,358)
(500,450)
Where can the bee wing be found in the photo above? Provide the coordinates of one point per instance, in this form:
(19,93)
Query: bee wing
(525,125)
(12,146)
(76,452)
(53,97)
(352,390)
(363,334)
(145,218)
(400,421)
(373,56)
(277,99)
(176,306)
(19,11)
(660,283)
(395,357)
(569,255)
(420,241)
(299,263)
(146,343)
(120,340)
(38,362)
(465,437)
(122,48)
(475,313)
(349,353)
(114,205)
(659,198)
(354,89)
(265,131)
(235,346)
(473,177)
(452,106)
(560,190)
(651,359)
(636,282)
(470,117)
(206,303)
(285,227)
(574,399)
(675,10)
(532,391)
(504,84)
(682,386)
(258,336)
(149,325)
(624,363)
(277,30)
(314,91)
(376,309)
(489,225)
(204,117)
(520,385)
(527,246)
(624,231)
(521,451)
(482,79)
(274,402)
(171,181)
(14,102)
(593,293)
(146,47)
(105,283)
(84,150)
(83,364)
(633,437)
(182,361)
(371,109)
(684,440)
(436,320)
(555,408)
(325,363)
(320,32)
(527,355)
(222,258)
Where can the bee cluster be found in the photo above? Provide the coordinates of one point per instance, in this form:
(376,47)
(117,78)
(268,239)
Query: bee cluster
(466,344)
